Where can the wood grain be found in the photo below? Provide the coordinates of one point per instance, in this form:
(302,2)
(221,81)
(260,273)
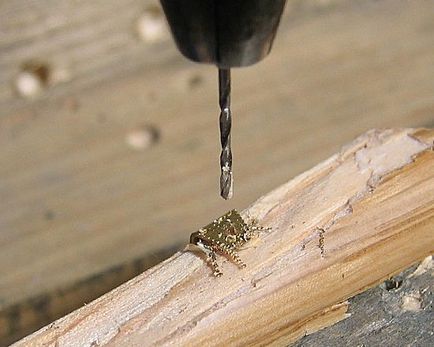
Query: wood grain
(372,205)
(81,210)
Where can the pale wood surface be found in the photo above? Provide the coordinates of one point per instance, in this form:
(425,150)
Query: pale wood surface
(345,225)
(81,211)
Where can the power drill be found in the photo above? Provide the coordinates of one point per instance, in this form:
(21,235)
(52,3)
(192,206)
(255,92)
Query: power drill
(226,33)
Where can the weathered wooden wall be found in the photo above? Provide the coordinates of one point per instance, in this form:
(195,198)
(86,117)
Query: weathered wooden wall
(86,203)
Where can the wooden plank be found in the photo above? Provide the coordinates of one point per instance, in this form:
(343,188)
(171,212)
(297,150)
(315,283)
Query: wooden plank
(82,44)
(337,229)
(79,42)
(80,206)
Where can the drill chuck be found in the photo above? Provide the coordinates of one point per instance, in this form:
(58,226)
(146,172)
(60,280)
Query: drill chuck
(226,33)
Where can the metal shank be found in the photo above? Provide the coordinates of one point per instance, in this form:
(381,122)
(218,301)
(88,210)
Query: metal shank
(226,179)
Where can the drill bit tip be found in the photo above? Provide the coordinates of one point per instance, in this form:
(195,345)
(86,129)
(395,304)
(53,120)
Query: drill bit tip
(226,183)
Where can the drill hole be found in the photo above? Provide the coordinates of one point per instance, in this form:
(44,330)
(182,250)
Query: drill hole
(195,81)
(150,26)
(143,137)
(392,283)
(33,78)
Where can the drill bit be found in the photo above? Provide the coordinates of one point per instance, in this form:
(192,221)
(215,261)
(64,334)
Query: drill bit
(226,180)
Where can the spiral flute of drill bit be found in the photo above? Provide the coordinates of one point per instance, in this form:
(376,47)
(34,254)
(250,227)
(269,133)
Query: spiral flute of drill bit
(226,180)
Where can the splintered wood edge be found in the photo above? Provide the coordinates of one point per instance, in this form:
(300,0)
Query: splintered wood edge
(338,229)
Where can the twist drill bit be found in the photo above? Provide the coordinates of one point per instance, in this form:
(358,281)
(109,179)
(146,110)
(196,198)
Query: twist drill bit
(226,180)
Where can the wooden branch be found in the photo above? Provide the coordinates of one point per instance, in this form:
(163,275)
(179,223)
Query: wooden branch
(338,229)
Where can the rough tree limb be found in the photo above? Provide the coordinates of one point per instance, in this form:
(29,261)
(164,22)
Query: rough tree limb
(338,229)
